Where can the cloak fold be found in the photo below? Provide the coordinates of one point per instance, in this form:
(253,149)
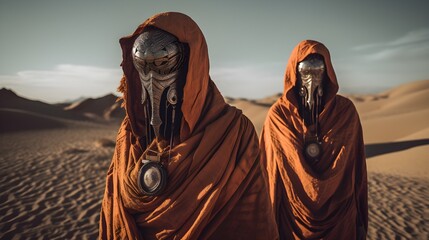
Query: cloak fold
(215,188)
(327,200)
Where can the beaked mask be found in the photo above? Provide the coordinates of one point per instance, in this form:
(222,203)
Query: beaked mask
(158,57)
(311,71)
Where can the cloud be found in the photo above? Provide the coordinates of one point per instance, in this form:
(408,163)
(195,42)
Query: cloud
(250,80)
(413,37)
(65,81)
(414,44)
(380,66)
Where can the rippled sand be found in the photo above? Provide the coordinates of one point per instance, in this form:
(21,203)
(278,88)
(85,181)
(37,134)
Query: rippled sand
(398,207)
(52,182)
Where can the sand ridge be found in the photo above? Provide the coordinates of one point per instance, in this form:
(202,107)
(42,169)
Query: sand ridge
(105,107)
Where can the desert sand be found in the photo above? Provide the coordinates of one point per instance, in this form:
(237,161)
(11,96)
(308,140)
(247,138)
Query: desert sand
(53,161)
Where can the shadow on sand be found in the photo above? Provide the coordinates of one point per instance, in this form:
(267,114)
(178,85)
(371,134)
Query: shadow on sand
(376,149)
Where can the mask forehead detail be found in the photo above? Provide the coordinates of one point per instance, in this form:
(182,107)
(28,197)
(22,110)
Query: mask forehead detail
(158,51)
(311,69)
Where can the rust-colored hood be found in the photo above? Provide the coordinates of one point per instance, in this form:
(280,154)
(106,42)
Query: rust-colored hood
(326,199)
(197,80)
(215,186)
(299,53)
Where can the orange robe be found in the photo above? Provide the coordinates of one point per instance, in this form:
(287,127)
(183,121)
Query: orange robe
(215,189)
(327,200)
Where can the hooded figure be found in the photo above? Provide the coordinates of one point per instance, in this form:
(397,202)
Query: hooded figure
(324,197)
(215,187)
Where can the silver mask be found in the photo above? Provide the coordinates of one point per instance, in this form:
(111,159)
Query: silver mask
(311,72)
(158,57)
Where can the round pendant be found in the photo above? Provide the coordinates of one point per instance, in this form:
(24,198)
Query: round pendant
(152,178)
(313,150)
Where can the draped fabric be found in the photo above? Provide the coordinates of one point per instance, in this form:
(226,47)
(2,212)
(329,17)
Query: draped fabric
(328,199)
(215,188)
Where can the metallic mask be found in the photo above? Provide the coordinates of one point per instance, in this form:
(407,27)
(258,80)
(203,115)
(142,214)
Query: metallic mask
(158,56)
(311,72)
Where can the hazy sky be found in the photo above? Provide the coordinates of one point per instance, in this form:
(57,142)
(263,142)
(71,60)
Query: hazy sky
(53,50)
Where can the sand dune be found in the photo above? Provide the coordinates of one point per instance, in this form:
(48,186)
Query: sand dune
(104,107)
(412,162)
(30,114)
(9,100)
(255,112)
(52,179)
(402,99)
(421,134)
(401,112)
(391,105)
(408,88)
(394,127)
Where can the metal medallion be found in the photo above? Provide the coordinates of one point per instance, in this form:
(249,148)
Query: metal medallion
(152,178)
(313,150)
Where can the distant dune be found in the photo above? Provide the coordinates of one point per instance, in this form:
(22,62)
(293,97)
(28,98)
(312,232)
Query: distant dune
(21,114)
(9,100)
(396,114)
(254,111)
(104,107)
